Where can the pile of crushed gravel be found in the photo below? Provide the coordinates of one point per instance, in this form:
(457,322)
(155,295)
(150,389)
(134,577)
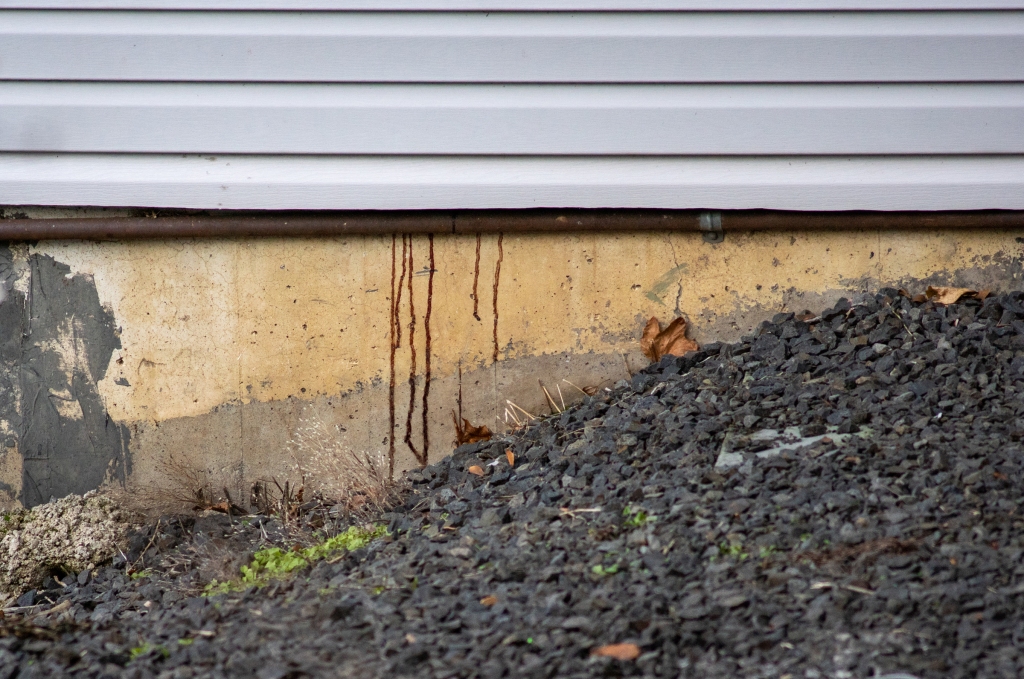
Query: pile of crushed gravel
(833,497)
(72,534)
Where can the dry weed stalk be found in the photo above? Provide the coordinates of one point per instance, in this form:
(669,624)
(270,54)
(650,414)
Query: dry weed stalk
(354,479)
(586,391)
(551,401)
(865,551)
(512,410)
(184,486)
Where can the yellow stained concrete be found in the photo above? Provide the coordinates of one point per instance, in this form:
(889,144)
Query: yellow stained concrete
(210,328)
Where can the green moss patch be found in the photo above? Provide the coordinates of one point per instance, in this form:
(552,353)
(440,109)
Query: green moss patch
(274,562)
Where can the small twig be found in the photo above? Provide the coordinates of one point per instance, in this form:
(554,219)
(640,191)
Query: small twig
(551,401)
(576,388)
(142,555)
(573,512)
(524,412)
(228,507)
(513,416)
(900,319)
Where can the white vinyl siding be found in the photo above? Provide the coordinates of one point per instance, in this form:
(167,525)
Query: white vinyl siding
(453,182)
(513,119)
(605,104)
(519,5)
(449,47)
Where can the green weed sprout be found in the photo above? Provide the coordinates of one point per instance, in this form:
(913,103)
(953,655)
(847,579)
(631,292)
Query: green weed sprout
(145,648)
(734,551)
(274,562)
(603,570)
(636,517)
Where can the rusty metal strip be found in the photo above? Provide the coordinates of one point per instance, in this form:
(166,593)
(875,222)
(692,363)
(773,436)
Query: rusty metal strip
(295,224)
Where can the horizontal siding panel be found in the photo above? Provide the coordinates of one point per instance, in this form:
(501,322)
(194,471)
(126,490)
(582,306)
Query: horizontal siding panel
(359,183)
(519,5)
(512,119)
(513,47)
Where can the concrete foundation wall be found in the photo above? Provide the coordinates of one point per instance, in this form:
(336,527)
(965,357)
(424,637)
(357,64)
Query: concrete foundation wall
(119,356)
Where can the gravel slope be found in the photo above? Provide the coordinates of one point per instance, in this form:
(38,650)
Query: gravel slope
(834,497)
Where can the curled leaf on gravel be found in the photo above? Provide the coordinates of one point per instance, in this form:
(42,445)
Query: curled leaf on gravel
(511,457)
(618,651)
(948,295)
(672,341)
(467,433)
(476,470)
(489,600)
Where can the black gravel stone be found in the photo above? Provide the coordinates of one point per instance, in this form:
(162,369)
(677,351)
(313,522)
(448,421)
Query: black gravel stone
(838,496)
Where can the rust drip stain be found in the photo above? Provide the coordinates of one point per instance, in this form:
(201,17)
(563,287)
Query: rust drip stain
(497,280)
(476,279)
(398,298)
(412,362)
(426,351)
(391,380)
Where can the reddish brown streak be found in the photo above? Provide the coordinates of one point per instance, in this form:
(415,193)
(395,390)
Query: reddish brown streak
(398,298)
(391,381)
(426,352)
(412,362)
(497,279)
(476,279)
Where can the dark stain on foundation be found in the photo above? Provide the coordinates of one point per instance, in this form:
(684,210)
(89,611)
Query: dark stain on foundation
(412,360)
(426,354)
(391,376)
(398,297)
(476,280)
(55,345)
(497,280)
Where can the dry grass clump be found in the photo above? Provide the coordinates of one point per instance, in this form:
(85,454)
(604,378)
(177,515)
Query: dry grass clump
(183,487)
(330,473)
(355,479)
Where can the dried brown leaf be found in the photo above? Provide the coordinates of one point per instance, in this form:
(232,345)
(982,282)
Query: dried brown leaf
(476,470)
(946,295)
(511,457)
(984,293)
(467,433)
(648,337)
(671,341)
(489,600)
(618,651)
(226,507)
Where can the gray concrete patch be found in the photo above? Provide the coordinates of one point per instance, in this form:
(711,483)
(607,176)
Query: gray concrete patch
(56,340)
